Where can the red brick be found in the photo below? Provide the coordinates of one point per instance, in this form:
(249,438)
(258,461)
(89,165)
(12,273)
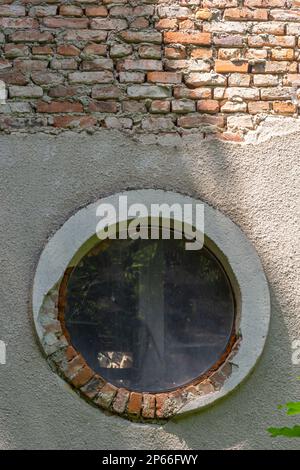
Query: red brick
(160,107)
(103,107)
(284,107)
(198,120)
(175,53)
(134,404)
(74,121)
(240,14)
(95,49)
(82,377)
(68,49)
(208,106)
(19,23)
(69,23)
(42,50)
(70,10)
(225,66)
(96,11)
(31,36)
(187,38)
(164,77)
(59,107)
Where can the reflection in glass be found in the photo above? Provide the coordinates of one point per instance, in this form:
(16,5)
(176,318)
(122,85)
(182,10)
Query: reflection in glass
(147,314)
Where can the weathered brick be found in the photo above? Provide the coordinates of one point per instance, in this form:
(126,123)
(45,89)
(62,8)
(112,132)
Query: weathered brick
(139,64)
(82,377)
(95,49)
(241,14)
(148,91)
(68,49)
(271,40)
(120,50)
(285,15)
(31,36)
(173,11)
(59,107)
(132,77)
(134,405)
(105,92)
(85,35)
(100,11)
(148,406)
(106,395)
(200,120)
(239,80)
(15,50)
(256,107)
(149,52)
(284,93)
(74,122)
(187,38)
(42,11)
(240,122)
(183,106)
(265,80)
(12,10)
(42,50)
(164,77)
(29,91)
(284,107)
(157,124)
(68,23)
(282,54)
(160,107)
(91,77)
(18,23)
(225,66)
(264,3)
(208,106)
(108,24)
(240,93)
(225,40)
(70,10)
(47,78)
(166,23)
(233,107)
(97,64)
(205,79)
(120,401)
(270,27)
(103,106)
(141,36)
(201,53)
(194,94)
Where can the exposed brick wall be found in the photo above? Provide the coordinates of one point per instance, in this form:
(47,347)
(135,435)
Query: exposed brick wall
(217,66)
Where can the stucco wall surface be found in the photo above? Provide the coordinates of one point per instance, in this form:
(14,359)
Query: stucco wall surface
(44,179)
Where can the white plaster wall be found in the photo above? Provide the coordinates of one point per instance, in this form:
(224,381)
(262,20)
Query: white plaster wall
(44,179)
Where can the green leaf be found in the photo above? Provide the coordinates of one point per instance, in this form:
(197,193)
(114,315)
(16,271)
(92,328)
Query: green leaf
(293,408)
(285,432)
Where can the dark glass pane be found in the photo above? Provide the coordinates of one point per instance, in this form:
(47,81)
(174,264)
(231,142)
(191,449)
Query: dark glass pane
(148,314)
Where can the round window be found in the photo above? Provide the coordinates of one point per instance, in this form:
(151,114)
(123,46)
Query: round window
(149,315)
(144,327)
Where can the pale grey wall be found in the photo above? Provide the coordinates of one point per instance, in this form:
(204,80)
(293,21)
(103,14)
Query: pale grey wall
(44,179)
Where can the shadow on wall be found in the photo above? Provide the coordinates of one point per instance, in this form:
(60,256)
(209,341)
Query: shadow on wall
(42,176)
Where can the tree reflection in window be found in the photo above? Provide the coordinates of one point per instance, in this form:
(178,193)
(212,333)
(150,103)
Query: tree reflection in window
(147,314)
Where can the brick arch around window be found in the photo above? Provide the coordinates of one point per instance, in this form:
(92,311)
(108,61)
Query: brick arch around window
(63,252)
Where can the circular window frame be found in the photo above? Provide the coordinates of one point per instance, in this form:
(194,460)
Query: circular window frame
(252,312)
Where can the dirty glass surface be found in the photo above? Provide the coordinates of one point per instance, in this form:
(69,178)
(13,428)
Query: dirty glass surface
(149,315)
